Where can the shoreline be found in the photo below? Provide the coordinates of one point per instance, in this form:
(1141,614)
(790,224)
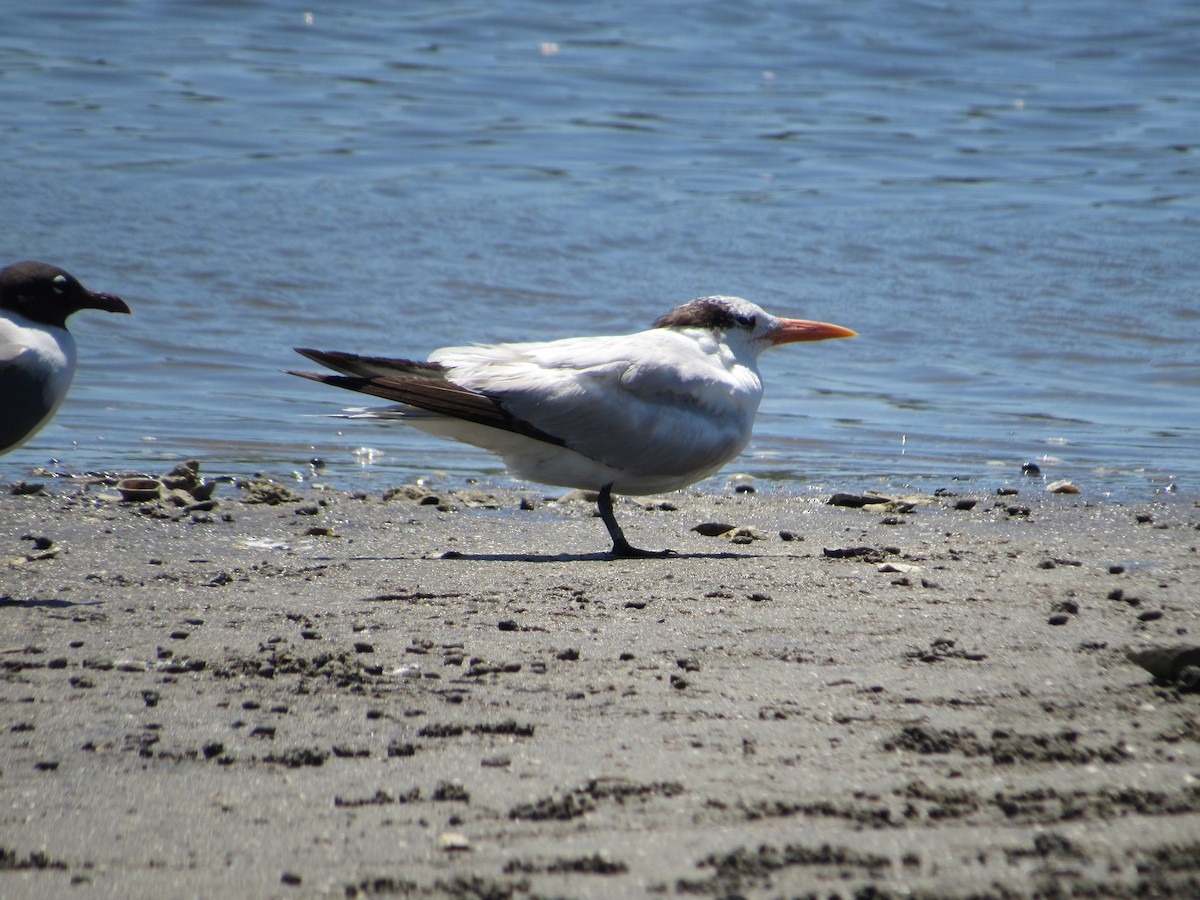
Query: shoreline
(337,695)
(374,468)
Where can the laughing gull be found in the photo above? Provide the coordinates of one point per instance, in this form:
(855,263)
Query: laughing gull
(37,353)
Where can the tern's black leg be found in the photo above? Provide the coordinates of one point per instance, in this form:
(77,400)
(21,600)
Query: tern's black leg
(622,549)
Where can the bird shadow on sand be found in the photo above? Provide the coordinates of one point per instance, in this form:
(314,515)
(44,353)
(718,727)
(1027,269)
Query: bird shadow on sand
(456,555)
(6,600)
(580,557)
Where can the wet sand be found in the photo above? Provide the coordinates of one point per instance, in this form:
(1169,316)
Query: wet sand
(456,695)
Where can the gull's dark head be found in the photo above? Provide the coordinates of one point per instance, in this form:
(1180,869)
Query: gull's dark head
(734,317)
(48,295)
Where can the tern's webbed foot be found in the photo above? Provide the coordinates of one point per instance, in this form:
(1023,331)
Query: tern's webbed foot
(621,548)
(625,550)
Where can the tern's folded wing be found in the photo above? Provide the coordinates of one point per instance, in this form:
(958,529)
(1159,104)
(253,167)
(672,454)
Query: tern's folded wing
(372,366)
(434,394)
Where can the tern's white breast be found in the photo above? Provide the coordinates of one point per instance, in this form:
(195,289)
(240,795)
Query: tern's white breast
(33,358)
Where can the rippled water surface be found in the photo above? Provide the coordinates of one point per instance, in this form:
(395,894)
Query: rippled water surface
(1001,198)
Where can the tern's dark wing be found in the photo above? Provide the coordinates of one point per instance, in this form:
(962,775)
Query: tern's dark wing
(419,384)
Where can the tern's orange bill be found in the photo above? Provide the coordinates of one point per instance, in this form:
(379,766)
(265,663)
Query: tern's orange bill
(790,330)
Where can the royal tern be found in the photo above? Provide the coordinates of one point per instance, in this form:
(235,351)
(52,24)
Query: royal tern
(635,414)
(37,353)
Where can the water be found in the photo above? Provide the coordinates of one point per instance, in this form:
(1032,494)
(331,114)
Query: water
(1001,198)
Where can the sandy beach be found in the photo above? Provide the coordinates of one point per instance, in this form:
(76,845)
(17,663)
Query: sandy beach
(285,691)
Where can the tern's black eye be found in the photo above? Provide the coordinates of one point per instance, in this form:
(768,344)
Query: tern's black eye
(746,321)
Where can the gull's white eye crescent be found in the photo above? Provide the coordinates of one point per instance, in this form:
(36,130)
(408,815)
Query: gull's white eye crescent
(60,283)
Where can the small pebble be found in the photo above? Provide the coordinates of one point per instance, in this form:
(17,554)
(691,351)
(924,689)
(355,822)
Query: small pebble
(855,501)
(744,534)
(453,842)
(713,529)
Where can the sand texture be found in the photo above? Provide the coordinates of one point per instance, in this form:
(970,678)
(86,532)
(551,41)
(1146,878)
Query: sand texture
(328,694)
